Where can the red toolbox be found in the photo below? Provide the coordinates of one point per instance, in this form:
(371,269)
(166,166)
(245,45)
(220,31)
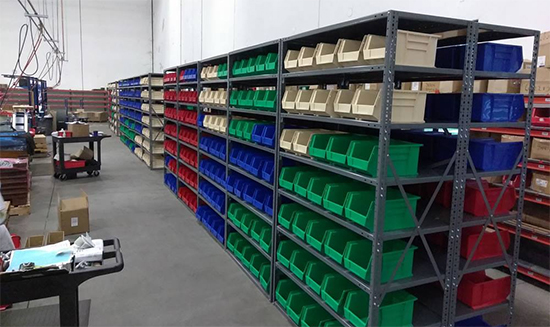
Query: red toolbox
(489,245)
(478,291)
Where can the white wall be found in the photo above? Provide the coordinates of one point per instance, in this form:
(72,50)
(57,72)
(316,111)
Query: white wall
(212,27)
(116,40)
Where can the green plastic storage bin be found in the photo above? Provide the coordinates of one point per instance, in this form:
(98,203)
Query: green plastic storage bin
(313,315)
(286,178)
(299,261)
(284,252)
(302,178)
(359,208)
(256,264)
(363,156)
(271,63)
(248,253)
(241,67)
(270,100)
(265,278)
(301,220)
(336,241)
(315,274)
(222,71)
(233,125)
(247,133)
(246,222)
(257,230)
(358,256)
(330,323)
(259,96)
(240,248)
(316,188)
(265,239)
(237,68)
(251,66)
(337,147)
(247,99)
(260,64)
(286,213)
(235,96)
(234,212)
(315,233)
(334,196)
(283,290)
(241,126)
(232,240)
(318,145)
(396,309)
(334,290)
(297,300)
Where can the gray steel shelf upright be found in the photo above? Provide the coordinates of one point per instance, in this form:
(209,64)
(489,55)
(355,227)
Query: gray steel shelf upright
(437,305)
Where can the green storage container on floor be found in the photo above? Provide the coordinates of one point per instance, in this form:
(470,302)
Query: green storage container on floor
(359,208)
(259,96)
(315,274)
(396,309)
(235,96)
(313,315)
(286,179)
(334,290)
(301,221)
(260,64)
(334,196)
(286,213)
(248,253)
(265,273)
(316,233)
(299,261)
(271,63)
(247,99)
(265,239)
(240,248)
(257,229)
(283,290)
(232,241)
(337,147)
(284,252)
(256,264)
(302,178)
(336,241)
(270,100)
(317,185)
(297,300)
(358,256)
(363,156)
(246,222)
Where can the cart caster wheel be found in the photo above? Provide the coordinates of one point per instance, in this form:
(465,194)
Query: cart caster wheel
(89,173)
(63,177)
(96,173)
(56,175)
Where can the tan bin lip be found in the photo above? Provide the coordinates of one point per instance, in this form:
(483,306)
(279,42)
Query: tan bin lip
(302,100)
(306,58)
(322,102)
(291,60)
(213,72)
(349,52)
(342,102)
(204,73)
(407,107)
(326,55)
(289,100)
(285,142)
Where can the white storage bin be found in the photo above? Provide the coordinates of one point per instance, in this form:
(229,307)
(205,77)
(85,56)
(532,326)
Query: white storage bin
(302,100)
(204,73)
(306,58)
(349,52)
(215,123)
(213,72)
(151,122)
(287,136)
(158,135)
(291,60)
(322,102)
(407,107)
(326,55)
(342,103)
(412,49)
(289,101)
(156,108)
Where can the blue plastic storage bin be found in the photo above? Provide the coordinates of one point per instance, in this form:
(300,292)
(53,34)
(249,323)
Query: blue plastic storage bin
(268,171)
(243,158)
(204,143)
(234,154)
(259,197)
(248,192)
(268,136)
(200,120)
(474,322)
(257,133)
(257,164)
(492,57)
(486,107)
(240,185)
(268,204)
(230,183)
(171,182)
(490,155)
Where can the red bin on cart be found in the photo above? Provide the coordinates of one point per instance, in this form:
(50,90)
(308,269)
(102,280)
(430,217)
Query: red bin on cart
(477,290)
(488,247)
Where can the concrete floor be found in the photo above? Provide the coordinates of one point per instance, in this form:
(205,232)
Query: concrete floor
(175,274)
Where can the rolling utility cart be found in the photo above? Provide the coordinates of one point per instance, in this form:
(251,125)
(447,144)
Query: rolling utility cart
(65,169)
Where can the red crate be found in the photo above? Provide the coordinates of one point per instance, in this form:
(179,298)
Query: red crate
(541,117)
(474,203)
(489,245)
(478,291)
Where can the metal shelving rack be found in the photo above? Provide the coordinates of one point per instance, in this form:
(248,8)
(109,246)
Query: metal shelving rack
(113,111)
(436,304)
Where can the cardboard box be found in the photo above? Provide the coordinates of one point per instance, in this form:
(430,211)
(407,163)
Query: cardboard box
(540,182)
(373,86)
(83,154)
(542,83)
(544,50)
(79,129)
(34,241)
(452,87)
(537,215)
(39,139)
(55,237)
(511,138)
(100,116)
(526,64)
(504,86)
(540,149)
(411,86)
(73,214)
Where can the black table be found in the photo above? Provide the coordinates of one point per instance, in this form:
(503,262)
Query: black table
(39,284)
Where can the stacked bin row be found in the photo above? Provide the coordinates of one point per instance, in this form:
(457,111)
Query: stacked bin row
(188,176)
(213,145)
(255,131)
(251,192)
(213,170)
(255,162)
(252,225)
(188,135)
(217,123)
(188,197)
(261,64)
(188,75)
(262,100)
(214,72)
(250,258)
(212,221)
(213,196)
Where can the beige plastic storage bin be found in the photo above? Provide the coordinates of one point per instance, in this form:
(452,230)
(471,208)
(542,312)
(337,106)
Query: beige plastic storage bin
(158,160)
(412,49)
(221,97)
(155,81)
(204,73)
(287,136)
(302,100)
(210,96)
(156,108)
(408,106)
(213,72)
(302,137)
(208,121)
(145,94)
(157,95)
(349,52)
(306,58)
(202,96)
(138,139)
(322,102)
(152,122)
(158,148)
(289,101)
(138,152)
(291,60)
(221,124)
(342,103)
(326,55)
(158,135)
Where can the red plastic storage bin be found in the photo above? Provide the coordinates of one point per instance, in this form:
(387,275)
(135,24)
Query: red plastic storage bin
(478,291)
(474,204)
(489,245)
(541,117)
(172,165)
(170,129)
(73,164)
(170,146)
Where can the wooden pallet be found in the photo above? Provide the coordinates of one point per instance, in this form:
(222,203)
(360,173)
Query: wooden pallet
(21,210)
